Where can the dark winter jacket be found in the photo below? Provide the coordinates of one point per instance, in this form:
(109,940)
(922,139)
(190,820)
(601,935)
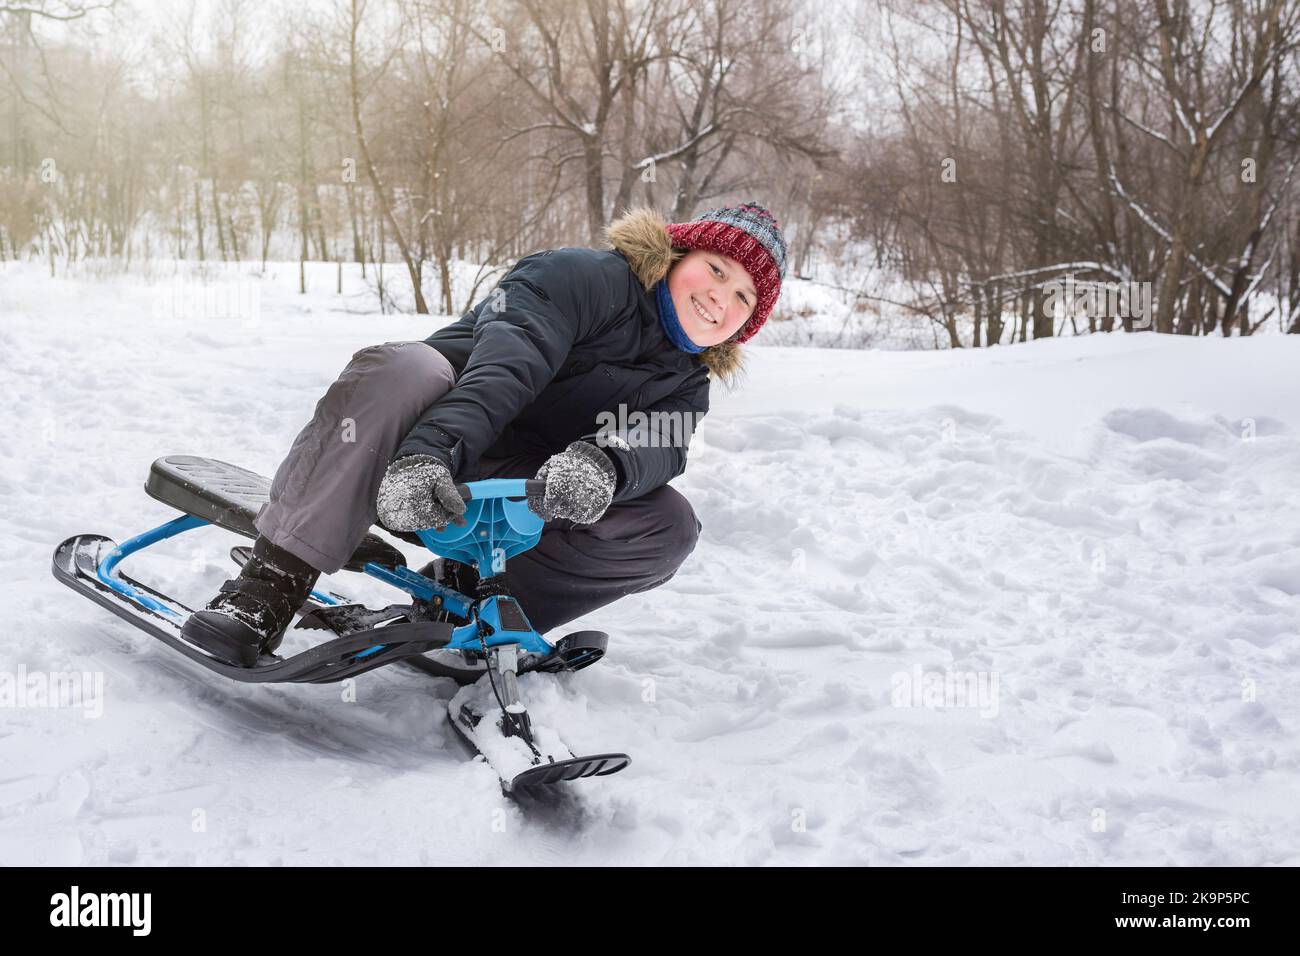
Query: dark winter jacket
(568,334)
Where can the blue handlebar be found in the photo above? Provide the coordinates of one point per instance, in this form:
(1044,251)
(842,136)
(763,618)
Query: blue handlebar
(501,488)
(498,524)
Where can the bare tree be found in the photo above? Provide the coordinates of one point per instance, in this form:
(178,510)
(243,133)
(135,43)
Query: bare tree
(357,12)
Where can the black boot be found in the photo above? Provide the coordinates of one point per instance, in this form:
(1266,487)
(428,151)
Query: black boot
(251,613)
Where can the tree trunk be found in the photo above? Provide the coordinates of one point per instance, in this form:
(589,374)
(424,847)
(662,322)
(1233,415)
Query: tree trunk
(1194,319)
(1185,322)
(322,249)
(358,254)
(1169,279)
(1042,321)
(1244,312)
(993,296)
(216,220)
(444,278)
(198,218)
(595,189)
(379,259)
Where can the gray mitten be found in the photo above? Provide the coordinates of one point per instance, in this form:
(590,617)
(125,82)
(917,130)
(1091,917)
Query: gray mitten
(580,483)
(418,493)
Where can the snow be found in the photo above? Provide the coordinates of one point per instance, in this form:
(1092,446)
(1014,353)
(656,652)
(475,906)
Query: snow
(1035,604)
(548,707)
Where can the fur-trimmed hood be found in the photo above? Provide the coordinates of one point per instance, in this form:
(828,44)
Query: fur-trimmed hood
(641,234)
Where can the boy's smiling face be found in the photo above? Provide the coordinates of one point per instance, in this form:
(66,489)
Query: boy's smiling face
(713,294)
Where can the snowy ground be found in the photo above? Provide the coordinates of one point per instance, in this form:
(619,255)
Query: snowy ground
(1101,535)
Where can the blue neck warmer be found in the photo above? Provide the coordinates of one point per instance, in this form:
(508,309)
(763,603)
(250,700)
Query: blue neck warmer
(668,319)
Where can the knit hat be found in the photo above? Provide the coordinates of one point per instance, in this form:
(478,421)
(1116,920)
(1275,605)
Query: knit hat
(749,234)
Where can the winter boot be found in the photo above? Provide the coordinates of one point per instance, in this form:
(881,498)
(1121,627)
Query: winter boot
(251,613)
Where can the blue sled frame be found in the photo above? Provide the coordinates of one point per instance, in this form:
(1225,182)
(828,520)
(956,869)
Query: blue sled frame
(498,524)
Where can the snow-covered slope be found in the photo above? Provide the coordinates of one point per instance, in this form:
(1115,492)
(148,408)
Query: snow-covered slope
(1100,538)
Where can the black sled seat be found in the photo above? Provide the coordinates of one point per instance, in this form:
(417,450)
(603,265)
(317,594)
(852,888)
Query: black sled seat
(230,497)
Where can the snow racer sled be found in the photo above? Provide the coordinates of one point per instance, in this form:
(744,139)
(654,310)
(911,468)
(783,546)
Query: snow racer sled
(481,640)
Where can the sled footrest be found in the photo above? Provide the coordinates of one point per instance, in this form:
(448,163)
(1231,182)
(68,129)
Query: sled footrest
(230,497)
(77,561)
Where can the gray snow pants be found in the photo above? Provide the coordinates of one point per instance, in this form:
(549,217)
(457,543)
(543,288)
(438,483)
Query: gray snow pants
(323,495)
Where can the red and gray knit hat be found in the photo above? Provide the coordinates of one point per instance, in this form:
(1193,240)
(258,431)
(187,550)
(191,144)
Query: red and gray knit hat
(749,234)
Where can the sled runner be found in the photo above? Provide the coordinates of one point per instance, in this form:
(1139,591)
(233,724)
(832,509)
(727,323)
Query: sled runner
(483,640)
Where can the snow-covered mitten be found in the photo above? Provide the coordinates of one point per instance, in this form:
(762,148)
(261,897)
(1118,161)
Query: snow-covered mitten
(580,483)
(418,493)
